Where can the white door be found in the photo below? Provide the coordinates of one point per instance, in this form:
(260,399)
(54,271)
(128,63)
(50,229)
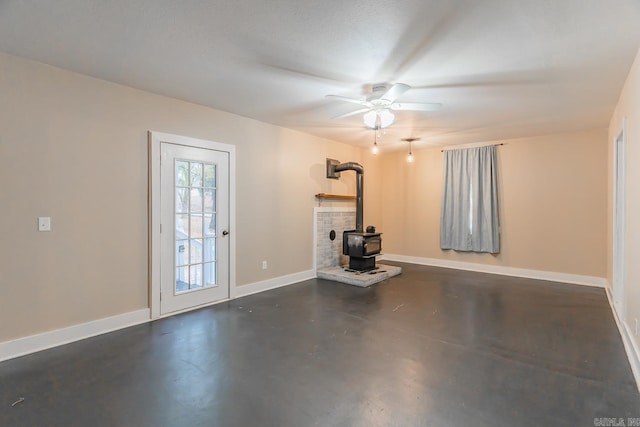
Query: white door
(194,185)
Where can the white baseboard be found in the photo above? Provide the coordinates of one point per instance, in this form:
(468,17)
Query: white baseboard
(575,279)
(31,344)
(630,345)
(276,282)
(633,353)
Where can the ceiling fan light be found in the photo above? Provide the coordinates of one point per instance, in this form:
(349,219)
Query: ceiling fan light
(370,119)
(378,119)
(386,118)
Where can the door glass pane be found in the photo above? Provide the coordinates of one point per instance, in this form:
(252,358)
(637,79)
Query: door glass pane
(196,174)
(210,225)
(182,252)
(182,200)
(209,250)
(182,173)
(182,279)
(196,226)
(209,200)
(210,176)
(196,251)
(182,226)
(195,276)
(196,200)
(210,278)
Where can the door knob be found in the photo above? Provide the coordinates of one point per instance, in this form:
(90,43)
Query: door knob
(225,233)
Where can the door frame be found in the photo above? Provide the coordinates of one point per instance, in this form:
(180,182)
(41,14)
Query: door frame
(154,209)
(619,218)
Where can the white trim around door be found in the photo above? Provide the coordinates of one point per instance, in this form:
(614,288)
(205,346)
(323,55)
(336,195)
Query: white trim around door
(619,219)
(154,203)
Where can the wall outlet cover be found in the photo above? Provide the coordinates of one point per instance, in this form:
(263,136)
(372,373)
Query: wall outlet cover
(44,223)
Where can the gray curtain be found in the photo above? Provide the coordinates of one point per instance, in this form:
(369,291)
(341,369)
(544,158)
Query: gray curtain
(469,217)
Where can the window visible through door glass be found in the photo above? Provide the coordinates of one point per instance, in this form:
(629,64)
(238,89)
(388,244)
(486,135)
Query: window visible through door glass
(195,225)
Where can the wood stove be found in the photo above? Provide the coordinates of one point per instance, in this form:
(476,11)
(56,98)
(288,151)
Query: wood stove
(361,247)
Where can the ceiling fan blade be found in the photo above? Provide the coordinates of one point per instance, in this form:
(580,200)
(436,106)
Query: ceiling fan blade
(415,106)
(352,113)
(418,41)
(395,92)
(352,100)
(507,78)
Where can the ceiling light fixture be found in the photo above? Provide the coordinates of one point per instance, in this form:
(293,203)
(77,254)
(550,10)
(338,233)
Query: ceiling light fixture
(410,157)
(379,118)
(374,149)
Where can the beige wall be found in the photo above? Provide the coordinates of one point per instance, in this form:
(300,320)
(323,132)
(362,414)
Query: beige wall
(628,108)
(75,148)
(552,194)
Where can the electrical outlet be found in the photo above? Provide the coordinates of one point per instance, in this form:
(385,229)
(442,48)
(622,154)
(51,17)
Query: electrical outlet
(44,223)
(264,266)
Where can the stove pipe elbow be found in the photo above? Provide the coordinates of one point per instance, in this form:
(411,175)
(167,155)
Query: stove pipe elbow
(333,171)
(350,166)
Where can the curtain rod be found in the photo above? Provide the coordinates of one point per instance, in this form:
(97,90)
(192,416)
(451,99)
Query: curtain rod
(488,145)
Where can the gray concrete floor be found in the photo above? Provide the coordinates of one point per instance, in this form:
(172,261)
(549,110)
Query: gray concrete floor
(432,347)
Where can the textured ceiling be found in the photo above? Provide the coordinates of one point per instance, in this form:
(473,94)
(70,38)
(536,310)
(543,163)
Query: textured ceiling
(501,68)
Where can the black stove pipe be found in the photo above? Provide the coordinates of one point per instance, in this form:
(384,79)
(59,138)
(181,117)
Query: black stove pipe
(359,170)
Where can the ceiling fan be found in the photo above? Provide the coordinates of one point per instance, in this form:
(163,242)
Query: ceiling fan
(377,107)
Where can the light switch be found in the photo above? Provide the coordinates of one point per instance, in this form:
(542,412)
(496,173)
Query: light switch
(44,223)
